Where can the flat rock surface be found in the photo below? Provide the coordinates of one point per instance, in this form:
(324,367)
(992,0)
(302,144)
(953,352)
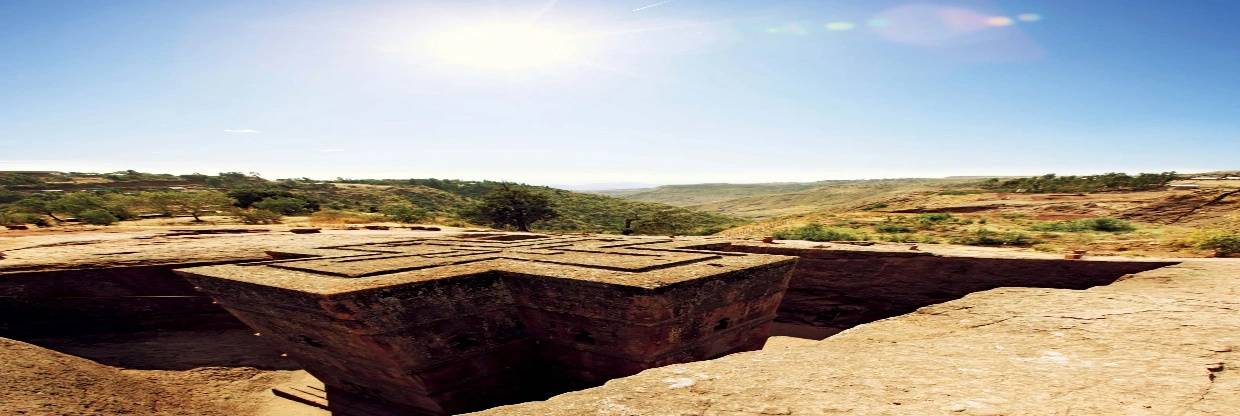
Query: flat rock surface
(646,262)
(66,248)
(120,248)
(1163,342)
(192,373)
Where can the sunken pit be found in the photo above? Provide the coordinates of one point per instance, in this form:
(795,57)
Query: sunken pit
(448,325)
(437,323)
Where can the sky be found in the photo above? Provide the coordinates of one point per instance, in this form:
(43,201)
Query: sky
(583,93)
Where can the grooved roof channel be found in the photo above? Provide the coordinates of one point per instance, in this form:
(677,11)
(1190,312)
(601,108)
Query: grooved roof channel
(628,261)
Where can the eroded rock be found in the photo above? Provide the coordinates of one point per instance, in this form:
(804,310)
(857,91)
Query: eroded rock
(443,325)
(1143,346)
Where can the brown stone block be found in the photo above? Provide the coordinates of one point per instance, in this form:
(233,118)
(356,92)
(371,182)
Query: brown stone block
(443,325)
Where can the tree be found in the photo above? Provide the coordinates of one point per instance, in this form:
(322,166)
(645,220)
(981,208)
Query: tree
(161,202)
(403,212)
(246,197)
(73,204)
(232,180)
(663,221)
(257,216)
(9,196)
(282,205)
(40,205)
(201,202)
(508,206)
(19,179)
(96,216)
(192,203)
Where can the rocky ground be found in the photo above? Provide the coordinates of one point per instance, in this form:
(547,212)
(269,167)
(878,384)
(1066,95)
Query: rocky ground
(1163,342)
(189,373)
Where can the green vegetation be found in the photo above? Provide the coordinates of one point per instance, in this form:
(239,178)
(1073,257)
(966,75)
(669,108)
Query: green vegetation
(934,218)
(768,200)
(135,176)
(127,194)
(96,216)
(986,237)
(669,221)
(192,203)
(1110,225)
(331,216)
(515,207)
(256,216)
(10,179)
(892,228)
(908,238)
(819,232)
(404,212)
(75,204)
(19,218)
(874,206)
(285,205)
(1224,244)
(1050,183)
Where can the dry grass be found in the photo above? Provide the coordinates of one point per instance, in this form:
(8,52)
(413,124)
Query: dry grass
(1147,240)
(328,216)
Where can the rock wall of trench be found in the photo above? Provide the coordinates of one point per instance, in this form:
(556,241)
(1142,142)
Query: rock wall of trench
(104,300)
(833,290)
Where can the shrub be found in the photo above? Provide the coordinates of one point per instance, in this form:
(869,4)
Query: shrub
(819,232)
(19,179)
(515,207)
(1223,243)
(1110,225)
(332,216)
(1092,183)
(985,237)
(875,206)
(192,203)
(900,238)
(97,217)
(18,218)
(282,205)
(893,228)
(403,213)
(934,217)
(7,197)
(257,216)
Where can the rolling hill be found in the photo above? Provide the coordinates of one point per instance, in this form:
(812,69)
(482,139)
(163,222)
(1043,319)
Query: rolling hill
(768,200)
(444,198)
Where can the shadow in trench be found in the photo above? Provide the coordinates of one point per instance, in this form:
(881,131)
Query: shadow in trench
(171,350)
(833,290)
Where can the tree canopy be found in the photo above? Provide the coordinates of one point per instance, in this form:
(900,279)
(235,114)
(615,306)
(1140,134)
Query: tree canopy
(508,206)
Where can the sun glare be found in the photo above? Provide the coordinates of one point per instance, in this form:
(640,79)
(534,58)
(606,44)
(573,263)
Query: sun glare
(503,47)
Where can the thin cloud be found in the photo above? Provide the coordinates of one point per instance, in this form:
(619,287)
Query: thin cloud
(330,150)
(652,5)
(242,131)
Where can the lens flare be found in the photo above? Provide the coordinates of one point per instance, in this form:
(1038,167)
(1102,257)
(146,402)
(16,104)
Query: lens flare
(788,29)
(840,26)
(999,21)
(503,46)
(1029,17)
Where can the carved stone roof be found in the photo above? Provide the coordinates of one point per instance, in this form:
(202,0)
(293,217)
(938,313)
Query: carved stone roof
(628,261)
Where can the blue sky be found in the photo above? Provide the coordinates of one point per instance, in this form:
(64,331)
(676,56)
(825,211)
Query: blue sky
(618,91)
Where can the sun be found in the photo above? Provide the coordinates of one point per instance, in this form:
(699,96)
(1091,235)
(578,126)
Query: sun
(506,47)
